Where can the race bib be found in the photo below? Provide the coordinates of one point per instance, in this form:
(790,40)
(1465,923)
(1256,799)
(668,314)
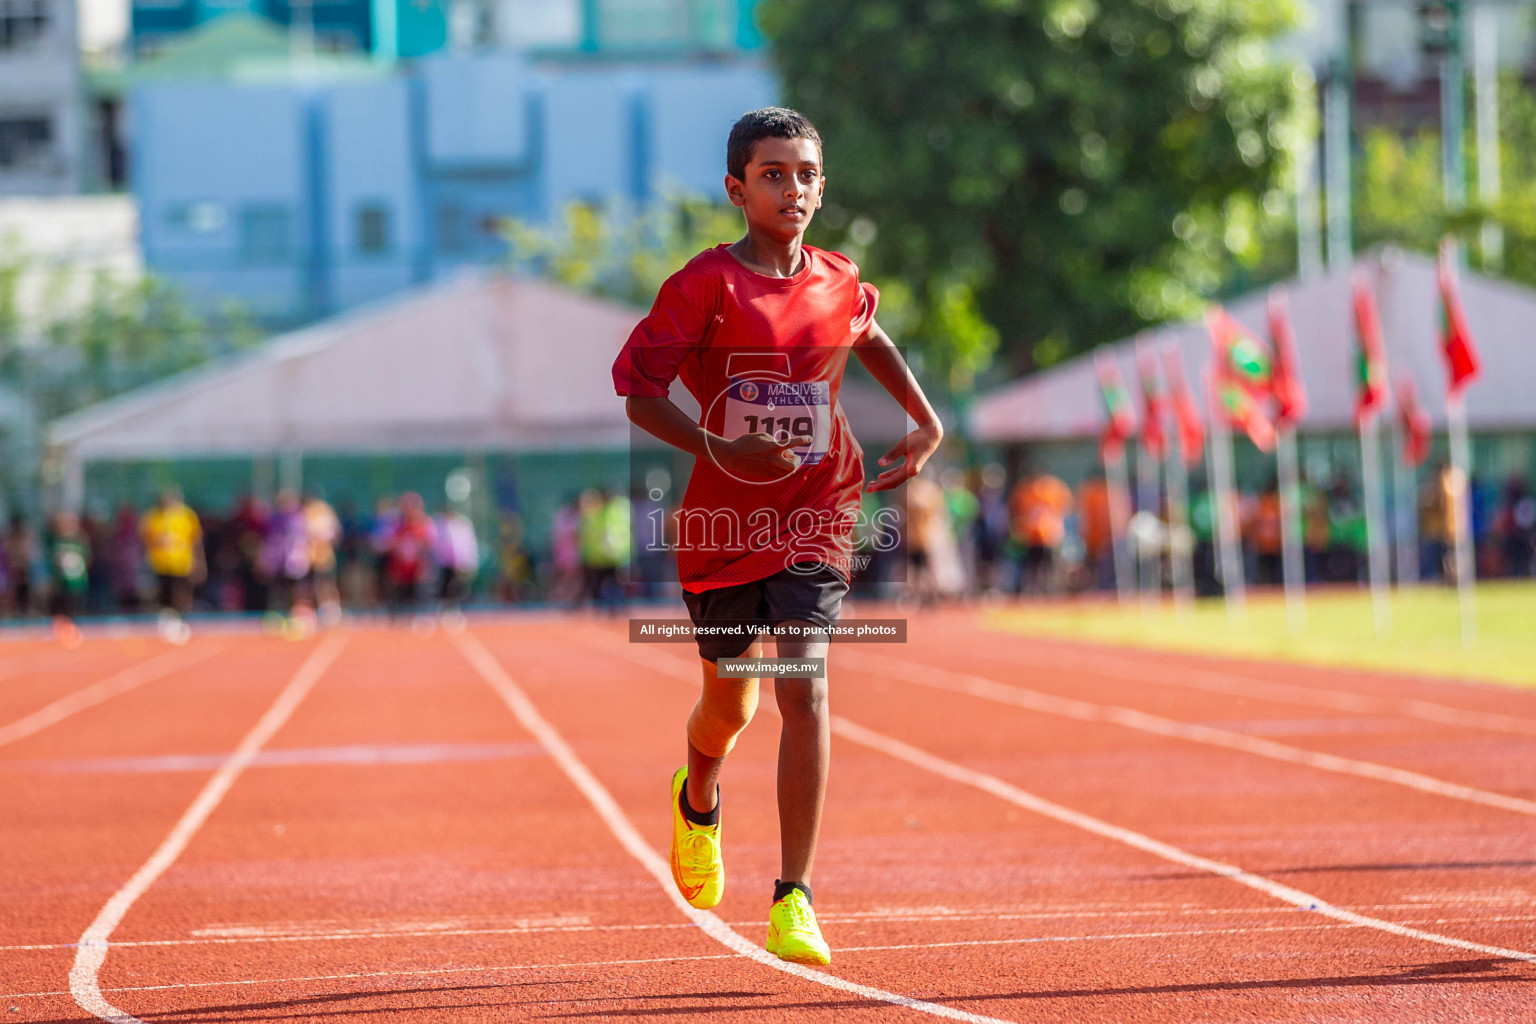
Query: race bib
(783,409)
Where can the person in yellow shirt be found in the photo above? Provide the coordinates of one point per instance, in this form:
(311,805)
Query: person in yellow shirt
(173,547)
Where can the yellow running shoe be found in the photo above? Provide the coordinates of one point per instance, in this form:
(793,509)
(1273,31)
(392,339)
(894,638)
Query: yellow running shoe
(793,934)
(696,865)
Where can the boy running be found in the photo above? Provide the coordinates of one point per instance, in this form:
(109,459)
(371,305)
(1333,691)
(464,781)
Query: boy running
(760,331)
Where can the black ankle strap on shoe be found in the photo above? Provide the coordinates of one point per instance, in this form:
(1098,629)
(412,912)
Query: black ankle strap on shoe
(699,817)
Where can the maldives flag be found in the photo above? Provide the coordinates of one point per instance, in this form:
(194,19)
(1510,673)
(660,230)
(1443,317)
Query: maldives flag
(1290,395)
(1186,411)
(1153,437)
(1244,377)
(1371,360)
(1416,426)
(1461,360)
(1117,403)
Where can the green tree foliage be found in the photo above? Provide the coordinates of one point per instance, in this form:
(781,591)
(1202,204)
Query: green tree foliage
(621,255)
(626,255)
(1061,171)
(1401,196)
(126,334)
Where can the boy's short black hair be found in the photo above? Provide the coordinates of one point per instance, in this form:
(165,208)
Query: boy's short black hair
(767,123)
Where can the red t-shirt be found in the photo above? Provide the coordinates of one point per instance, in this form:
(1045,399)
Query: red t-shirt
(766,354)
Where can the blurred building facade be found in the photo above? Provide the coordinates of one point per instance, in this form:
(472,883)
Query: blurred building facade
(414,28)
(302,197)
(389,28)
(41,106)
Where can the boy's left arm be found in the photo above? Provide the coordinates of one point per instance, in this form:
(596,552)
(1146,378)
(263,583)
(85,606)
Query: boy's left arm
(884,362)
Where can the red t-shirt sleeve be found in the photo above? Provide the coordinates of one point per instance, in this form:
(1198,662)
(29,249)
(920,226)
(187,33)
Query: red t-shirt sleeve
(677,323)
(865,299)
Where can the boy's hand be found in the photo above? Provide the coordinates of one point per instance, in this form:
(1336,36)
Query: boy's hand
(759,457)
(917,447)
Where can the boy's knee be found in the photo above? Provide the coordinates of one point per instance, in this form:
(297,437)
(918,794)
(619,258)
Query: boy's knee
(721,715)
(801,697)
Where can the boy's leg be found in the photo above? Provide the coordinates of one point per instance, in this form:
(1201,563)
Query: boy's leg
(805,745)
(725,708)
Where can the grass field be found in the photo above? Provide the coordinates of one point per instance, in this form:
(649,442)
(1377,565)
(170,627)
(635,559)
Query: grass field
(1424,638)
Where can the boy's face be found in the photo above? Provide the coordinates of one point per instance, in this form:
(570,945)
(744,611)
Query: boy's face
(782,188)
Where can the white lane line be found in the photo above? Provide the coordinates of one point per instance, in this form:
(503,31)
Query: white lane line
(364,755)
(1105,937)
(566,965)
(88,697)
(673,959)
(624,831)
(1234,684)
(1046,703)
(1012,794)
(177,986)
(842,919)
(1029,801)
(92,951)
(38,661)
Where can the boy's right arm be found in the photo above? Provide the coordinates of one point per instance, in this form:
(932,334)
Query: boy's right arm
(753,456)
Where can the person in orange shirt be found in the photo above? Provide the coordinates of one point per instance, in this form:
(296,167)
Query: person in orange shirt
(1268,543)
(1038,511)
(1098,538)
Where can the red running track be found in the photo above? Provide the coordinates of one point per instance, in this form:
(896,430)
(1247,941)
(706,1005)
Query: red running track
(466,828)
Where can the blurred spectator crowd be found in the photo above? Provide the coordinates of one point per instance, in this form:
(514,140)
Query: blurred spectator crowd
(973,535)
(951,535)
(297,555)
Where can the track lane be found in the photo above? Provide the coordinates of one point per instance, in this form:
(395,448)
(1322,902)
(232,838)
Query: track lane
(70,839)
(891,857)
(1473,703)
(1454,752)
(1037,922)
(472,889)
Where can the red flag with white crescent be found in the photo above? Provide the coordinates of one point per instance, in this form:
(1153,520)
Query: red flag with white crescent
(1155,402)
(1243,377)
(1461,362)
(1186,411)
(1121,425)
(1290,395)
(1417,431)
(1371,359)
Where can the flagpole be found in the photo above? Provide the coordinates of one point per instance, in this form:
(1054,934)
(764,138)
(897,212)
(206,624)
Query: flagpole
(1232,582)
(1376,548)
(1149,568)
(1405,497)
(1213,489)
(1119,498)
(1461,465)
(1180,541)
(1290,529)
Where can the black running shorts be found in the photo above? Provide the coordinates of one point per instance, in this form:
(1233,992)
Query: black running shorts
(804,593)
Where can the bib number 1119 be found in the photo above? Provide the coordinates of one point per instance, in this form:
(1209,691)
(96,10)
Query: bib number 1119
(781,427)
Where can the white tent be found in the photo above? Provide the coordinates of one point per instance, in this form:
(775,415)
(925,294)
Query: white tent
(485,362)
(1063,402)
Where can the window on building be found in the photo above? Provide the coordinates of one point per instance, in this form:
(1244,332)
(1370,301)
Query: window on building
(23,23)
(201,217)
(372,228)
(539,23)
(264,233)
(450,228)
(26,144)
(338,41)
(642,23)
